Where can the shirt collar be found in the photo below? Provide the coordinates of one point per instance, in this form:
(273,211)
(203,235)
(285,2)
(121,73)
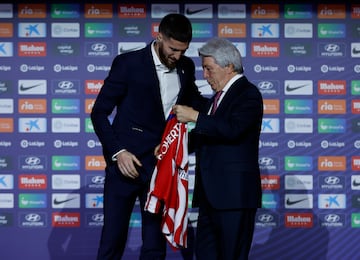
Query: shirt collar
(231,81)
(159,66)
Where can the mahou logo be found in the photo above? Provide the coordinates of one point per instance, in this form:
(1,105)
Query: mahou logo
(93,86)
(265,49)
(34,181)
(65,219)
(332,87)
(299,220)
(132,11)
(270,182)
(32,49)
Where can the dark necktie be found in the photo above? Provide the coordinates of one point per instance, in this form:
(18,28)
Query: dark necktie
(216,100)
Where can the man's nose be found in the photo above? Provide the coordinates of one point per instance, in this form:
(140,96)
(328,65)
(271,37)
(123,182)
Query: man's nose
(177,55)
(205,74)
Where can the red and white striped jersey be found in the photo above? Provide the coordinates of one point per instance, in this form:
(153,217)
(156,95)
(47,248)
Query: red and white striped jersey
(169,183)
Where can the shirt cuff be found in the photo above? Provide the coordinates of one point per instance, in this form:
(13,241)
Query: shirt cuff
(114,156)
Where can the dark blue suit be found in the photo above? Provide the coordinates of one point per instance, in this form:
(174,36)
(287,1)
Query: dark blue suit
(227,178)
(132,89)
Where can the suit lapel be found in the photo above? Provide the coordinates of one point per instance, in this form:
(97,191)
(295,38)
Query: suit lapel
(151,78)
(182,78)
(235,90)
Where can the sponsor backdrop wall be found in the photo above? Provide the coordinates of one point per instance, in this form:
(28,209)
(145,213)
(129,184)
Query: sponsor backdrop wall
(304,58)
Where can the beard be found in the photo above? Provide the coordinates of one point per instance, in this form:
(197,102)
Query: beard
(168,62)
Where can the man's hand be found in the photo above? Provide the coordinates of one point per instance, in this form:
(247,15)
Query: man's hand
(126,162)
(185,114)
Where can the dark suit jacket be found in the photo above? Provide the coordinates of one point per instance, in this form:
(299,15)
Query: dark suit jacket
(226,149)
(132,89)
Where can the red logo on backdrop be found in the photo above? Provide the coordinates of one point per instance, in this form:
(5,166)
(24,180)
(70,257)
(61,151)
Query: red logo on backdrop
(154,29)
(332,87)
(65,219)
(355,163)
(93,86)
(299,220)
(270,182)
(132,11)
(355,11)
(265,49)
(33,181)
(32,49)
(355,106)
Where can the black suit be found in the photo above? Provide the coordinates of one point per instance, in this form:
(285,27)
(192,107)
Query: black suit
(132,88)
(227,179)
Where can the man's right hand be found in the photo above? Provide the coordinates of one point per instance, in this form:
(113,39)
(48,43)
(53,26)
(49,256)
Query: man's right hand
(126,162)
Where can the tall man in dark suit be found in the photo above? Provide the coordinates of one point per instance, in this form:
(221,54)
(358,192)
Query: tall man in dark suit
(227,176)
(142,86)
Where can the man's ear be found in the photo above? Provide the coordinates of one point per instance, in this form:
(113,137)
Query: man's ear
(230,67)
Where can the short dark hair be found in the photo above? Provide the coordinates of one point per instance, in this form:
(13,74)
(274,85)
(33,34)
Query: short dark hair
(176,26)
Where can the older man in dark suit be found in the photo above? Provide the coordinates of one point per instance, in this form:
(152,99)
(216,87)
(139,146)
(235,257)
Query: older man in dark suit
(142,86)
(226,140)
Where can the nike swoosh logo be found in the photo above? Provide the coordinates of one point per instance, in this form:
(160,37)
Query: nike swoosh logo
(355,51)
(288,88)
(195,11)
(356,183)
(203,86)
(122,50)
(57,202)
(23,88)
(289,202)
(190,221)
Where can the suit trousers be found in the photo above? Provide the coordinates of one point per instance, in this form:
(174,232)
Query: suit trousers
(120,195)
(223,234)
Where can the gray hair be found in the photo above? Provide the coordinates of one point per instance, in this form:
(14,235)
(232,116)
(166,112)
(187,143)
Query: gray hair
(224,53)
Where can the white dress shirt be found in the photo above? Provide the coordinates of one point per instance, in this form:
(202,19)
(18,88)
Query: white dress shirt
(169,83)
(169,87)
(226,88)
